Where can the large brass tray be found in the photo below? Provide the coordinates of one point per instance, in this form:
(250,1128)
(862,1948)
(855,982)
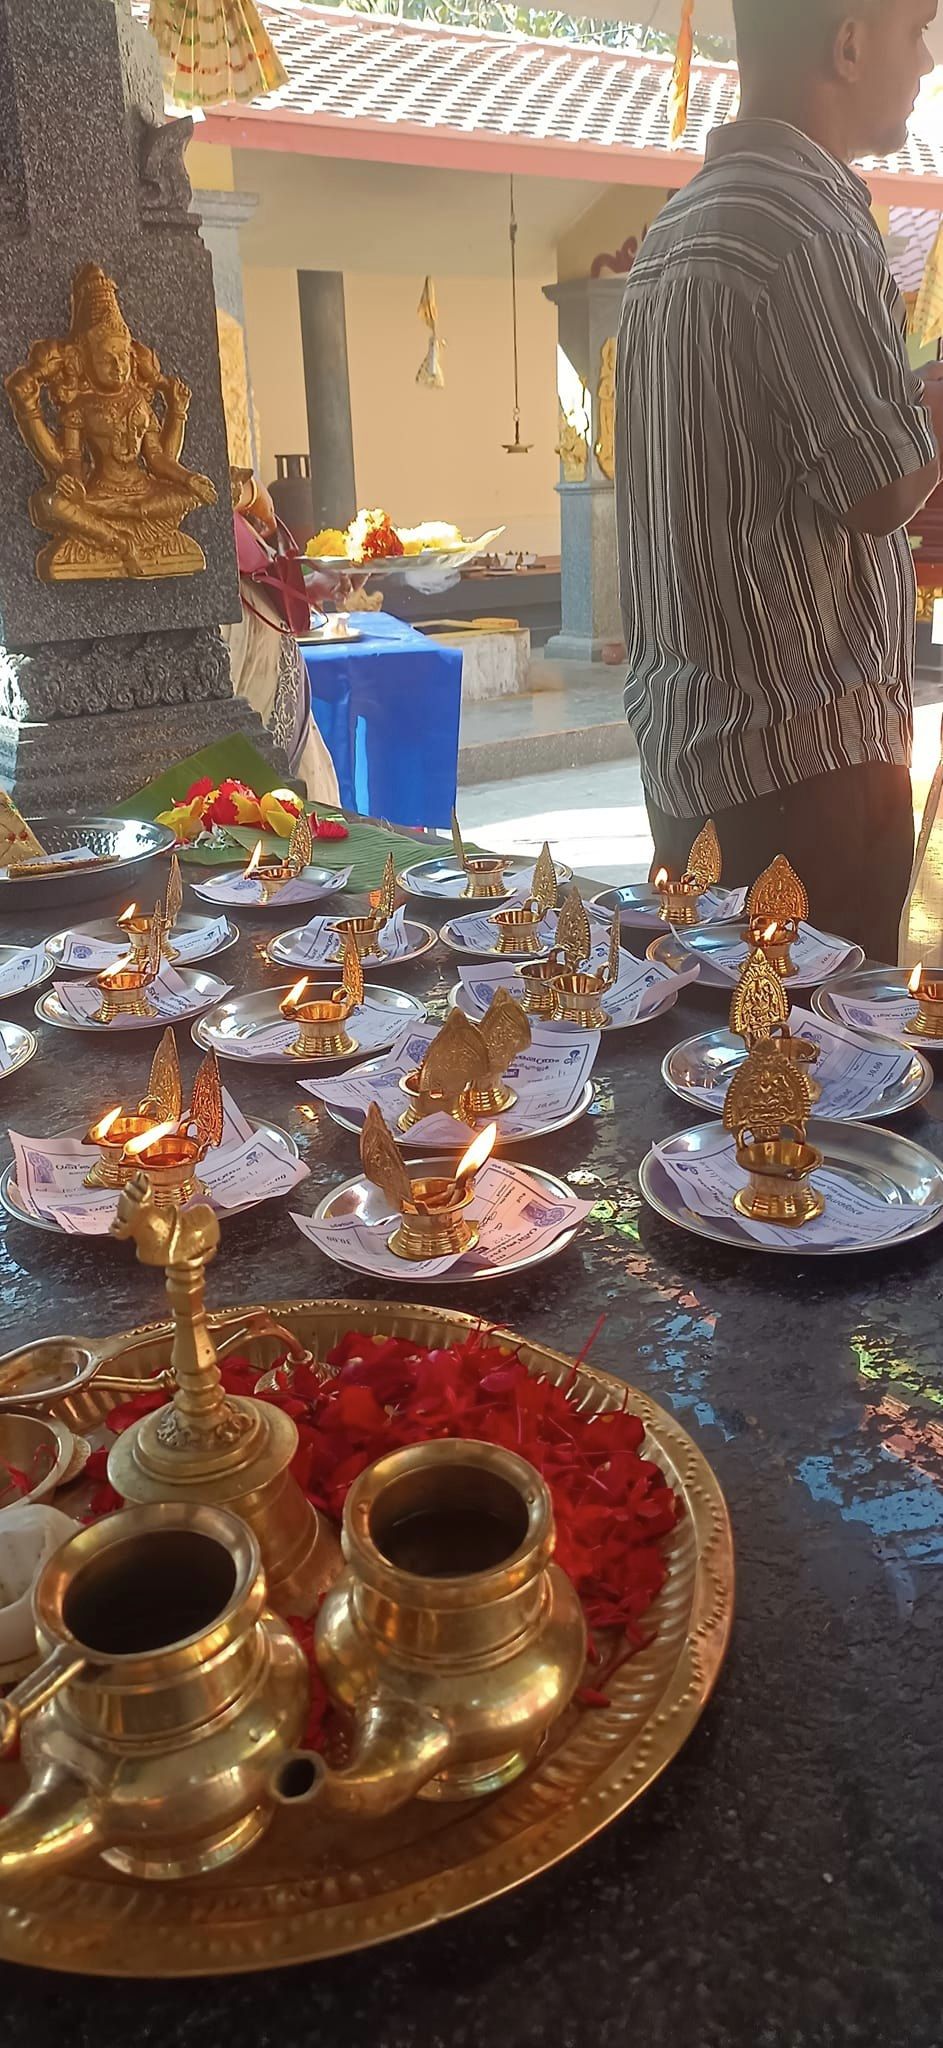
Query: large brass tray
(309,1891)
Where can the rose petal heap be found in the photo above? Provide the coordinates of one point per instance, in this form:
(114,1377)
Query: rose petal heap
(613,1506)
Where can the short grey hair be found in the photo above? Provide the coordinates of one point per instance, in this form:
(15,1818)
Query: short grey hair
(797,32)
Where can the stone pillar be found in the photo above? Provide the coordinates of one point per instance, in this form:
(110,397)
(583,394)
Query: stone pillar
(588,311)
(221,215)
(107,680)
(327,392)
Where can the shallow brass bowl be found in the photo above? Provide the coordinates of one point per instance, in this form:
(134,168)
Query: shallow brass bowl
(310,1891)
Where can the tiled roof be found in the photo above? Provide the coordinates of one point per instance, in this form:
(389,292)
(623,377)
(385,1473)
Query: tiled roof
(386,75)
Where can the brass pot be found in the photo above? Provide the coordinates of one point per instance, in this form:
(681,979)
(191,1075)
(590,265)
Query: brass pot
(160,1727)
(450,1634)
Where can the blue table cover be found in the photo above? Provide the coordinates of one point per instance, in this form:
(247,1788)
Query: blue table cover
(388,708)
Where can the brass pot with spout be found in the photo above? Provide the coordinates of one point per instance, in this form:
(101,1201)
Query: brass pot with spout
(451,1635)
(160,1729)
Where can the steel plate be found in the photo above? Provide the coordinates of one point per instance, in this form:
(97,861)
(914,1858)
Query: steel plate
(713,1058)
(20,1045)
(325,879)
(460,999)
(451,936)
(358,1197)
(280,952)
(235,1020)
(405,1138)
(104,930)
(639,907)
(10,1194)
(416,878)
(701,941)
(132,841)
(205,989)
(874,985)
(880,1160)
(39,980)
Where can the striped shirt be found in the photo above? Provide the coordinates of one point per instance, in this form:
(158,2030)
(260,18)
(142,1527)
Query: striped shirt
(763,390)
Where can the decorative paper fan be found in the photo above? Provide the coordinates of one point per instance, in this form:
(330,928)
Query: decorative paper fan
(215,50)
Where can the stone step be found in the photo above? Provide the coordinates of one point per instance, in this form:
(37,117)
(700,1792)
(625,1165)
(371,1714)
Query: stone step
(572,719)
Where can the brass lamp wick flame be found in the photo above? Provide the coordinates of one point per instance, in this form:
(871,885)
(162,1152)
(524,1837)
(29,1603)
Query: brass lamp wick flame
(477,1154)
(135,1146)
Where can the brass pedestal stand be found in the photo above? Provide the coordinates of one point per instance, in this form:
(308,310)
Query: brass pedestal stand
(205,1445)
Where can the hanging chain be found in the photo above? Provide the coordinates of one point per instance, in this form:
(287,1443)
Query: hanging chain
(512,232)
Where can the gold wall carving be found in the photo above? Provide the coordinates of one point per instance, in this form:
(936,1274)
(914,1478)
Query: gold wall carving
(106,427)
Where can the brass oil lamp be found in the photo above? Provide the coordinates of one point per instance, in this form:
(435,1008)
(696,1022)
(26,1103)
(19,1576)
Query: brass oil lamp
(206,1446)
(433,1209)
(273,870)
(926,985)
(766,1106)
(537,979)
(119,1126)
(776,906)
(484,873)
(506,1033)
(171,1151)
(124,987)
(455,1057)
(759,1009)
(364,932)
(578,991)
(519,924)
(322,1017)
(679,895)
(135,925)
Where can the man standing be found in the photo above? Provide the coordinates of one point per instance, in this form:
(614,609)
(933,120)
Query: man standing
(771,444)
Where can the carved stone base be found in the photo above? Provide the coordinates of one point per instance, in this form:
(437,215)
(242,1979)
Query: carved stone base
(84,723)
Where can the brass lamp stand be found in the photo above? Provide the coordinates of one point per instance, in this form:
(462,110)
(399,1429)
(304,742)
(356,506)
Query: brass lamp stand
(205,1445)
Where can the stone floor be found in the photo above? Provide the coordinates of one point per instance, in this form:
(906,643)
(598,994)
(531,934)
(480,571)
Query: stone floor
(570,716)
(594,814)
(594,818)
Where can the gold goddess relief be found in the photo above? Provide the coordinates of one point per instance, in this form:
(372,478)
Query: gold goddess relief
(106,427)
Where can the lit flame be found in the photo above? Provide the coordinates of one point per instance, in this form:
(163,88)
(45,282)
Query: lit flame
(135,1146)
(915,979)
(100,1130)
(479,1150)
(127,915)
(661,879)
(118,967)
(294,996)
(770,933)
(254,859)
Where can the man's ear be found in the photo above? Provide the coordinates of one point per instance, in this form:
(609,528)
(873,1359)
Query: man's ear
(847,49)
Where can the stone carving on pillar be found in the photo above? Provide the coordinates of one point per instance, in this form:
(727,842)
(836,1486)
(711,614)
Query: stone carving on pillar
(164,189)
(115,491)
(106,680)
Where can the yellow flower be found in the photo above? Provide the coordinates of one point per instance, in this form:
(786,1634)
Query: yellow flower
(280,809)
(184,820)
(329,542)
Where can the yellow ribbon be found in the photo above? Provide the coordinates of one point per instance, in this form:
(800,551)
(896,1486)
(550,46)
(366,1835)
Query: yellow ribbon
(681,76)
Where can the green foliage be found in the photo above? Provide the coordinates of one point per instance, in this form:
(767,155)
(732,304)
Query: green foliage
(498,16)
